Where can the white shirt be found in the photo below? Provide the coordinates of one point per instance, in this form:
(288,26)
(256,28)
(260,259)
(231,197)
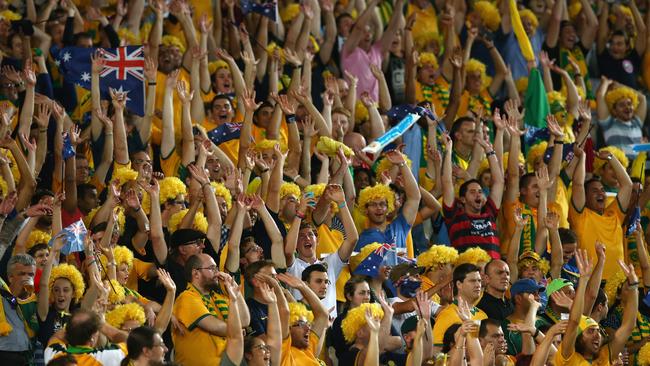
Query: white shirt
(398,319)
(334,266)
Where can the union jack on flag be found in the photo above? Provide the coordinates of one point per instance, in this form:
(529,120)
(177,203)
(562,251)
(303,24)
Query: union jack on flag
(384,247)
(73,236)
(124,72)
(225,133)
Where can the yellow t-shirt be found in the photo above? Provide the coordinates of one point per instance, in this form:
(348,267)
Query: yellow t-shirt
(171,163)
(292,356)
(196,346)
(471,102)
(426,20)
(437,94)
(576,359)
(140,270)
(607,228)
(448,317)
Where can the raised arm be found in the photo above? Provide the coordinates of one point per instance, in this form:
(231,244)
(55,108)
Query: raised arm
(569,339)
(185,96)
(165,314)
(335,193)
(234,335)
(121,152)
(553,28)
(578,191)
(630,296)
(358,30)
(588,31)
(594,282)
(321,316)
(447,182)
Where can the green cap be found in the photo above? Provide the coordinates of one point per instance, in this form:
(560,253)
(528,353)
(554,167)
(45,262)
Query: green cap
(556,285)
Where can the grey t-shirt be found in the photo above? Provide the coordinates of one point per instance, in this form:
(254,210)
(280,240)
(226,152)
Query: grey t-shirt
(17,340)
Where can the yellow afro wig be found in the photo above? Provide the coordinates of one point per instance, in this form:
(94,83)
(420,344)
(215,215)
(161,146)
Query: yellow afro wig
(520,160)
(270,49)
(9,15)
(535,153)
(317,190)
(556,96)
(613,96)
(128,36)
(37,237)
(544,267)
(270,144)
(356,259)
(474,65)
(474,256)
(123,313)
(122,254)
(221,191)
(361,113)
(117,296)
(428,58)
(3,188)
(173,41)
(121,219)
(612,285)
(200,222)
(72,274)
(288,188)
(298,311)
(422,40)
(330,147)
(170,188)
(356,318)
(643,357)
(528,14)
(385,164)
(488,13)
(522,84)
(124,175)
(145,30)
(289,12)
(618,153)
(215,66)
(436,255)
(377,192)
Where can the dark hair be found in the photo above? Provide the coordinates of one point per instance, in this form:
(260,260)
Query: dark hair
(84,188)
(81,327)
(221,96)
(592,180)
(63,360)
(349,287)
(253,268)
(317,267)
(619,33)
(343,15)
(458,123)
(601,298)
(482,330)
(40,193)
(462,271)
(525,179)
(40,246)
(463,187)
(567,236)
(191,264)
(449,339)
(249,342)
(79,36)
(139,339)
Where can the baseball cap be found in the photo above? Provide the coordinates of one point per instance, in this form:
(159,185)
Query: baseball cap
(556,285)
(525,285)
(185,236)
(411,323)
(586,322)
(530,255)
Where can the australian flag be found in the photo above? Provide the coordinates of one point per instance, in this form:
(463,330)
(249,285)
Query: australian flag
(74,236)
(68,150)
(225,133)
(124,72)
(267,9)
(369,266)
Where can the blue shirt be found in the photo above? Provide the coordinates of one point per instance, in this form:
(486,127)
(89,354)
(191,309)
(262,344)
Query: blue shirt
(396,233)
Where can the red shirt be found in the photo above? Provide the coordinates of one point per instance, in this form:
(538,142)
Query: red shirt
(468,231)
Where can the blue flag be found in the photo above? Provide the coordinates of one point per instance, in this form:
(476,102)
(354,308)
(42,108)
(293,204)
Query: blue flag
(225,133)
(74,236)
(124,72)
(369,266)
(267,9)
(68,150)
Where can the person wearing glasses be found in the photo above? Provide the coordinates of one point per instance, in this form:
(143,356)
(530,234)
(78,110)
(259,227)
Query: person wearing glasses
(204,310)
(185,244)
(144,346)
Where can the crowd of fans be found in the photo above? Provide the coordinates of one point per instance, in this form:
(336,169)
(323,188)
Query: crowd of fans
(244,218)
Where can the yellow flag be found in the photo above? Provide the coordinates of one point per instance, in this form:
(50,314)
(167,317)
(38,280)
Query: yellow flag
(520,33)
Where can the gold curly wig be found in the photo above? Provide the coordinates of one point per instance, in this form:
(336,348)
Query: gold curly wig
(384,164)
(535,153)
(173,41)
(612,285)
(377,192)
(122,255)
(72,274)
(356,318)
(488,13)
(528,14)
(117,296)
(436,255)
(200,222)
(289,12)
(428,58)
(221,191)
(317,190)
(298,311)
(122,313)
(474,256)
(170,188)
(215,66)
(643,357)
(37,237)
(361,113)
(330,146)
(124,175)
(474,65)
(288,188)
(618,153)
(614,96)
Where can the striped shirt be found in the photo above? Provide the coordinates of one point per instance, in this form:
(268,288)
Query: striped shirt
(621,133)
(110,355)
(468,231)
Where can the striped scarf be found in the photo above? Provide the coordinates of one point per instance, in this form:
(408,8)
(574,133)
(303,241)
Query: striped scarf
(216,303)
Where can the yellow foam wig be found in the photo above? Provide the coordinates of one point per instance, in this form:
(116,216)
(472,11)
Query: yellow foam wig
(535,153)
(170,188)
(37,237)
(123,313)
(356,318)
(618,153)
(200,222)
(612,285)
(117,296)
(613,96)
(377,192)
(385,164)
(330,146)
(474,256)
(488,13)
(221,191)
(298,311)
(288,188)
(428,58)
(173,41)
(436,255)
(72,274)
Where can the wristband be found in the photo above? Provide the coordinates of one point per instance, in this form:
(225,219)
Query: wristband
(300,215)
(205,184)
(291,118)
(294,179)
(401,164)
(265,170)
(42,130)
(488,154)
(341,205)
(136,209)
(112,264)
(558,142)
(633,284)
(151,83)
(536,333)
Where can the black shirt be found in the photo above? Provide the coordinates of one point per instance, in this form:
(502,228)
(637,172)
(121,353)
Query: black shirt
(495,308)
(259,315)
(625,71)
